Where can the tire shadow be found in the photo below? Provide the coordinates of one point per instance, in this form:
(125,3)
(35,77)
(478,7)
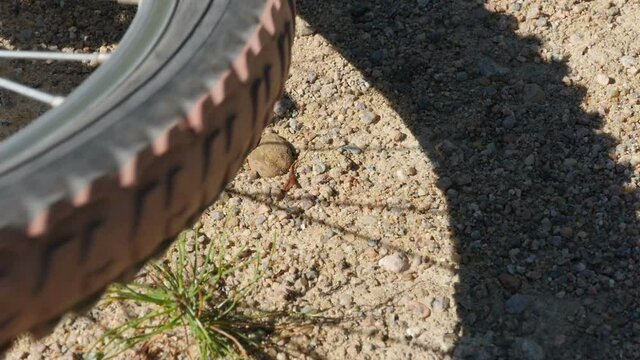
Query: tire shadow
(79,25)
(543,217)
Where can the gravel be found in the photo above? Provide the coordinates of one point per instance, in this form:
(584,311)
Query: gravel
(520,120)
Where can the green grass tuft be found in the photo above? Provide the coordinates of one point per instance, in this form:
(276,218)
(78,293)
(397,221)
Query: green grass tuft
(189,294)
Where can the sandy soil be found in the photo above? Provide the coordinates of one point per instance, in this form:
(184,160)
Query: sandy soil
(468,186)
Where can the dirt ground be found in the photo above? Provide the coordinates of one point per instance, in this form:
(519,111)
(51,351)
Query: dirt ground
(468,186)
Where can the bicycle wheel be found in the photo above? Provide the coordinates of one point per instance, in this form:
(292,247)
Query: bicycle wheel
(92,188)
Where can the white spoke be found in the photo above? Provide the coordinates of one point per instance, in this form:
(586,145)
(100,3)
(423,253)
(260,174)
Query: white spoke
(41,96)
(52,100)
(49,55)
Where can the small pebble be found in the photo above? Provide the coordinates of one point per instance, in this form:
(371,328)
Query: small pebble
(509,282)
(367,117)
(444,183)
(319,168)
(542,22)
(530,160)
(463,179)
(559,340)
(345,300)
(440,303)
(294,125)
(312,77)
(509,122)
(376,57)
(305,29)
(396,263)
(419,309)
(533,93)
(515,304)
(272,157)
(311,275)
(282,106)
(533,13)
(352,149)
(402,175)
(328,235)
(413,332)
(530,350)
(217,215)
(416,260)
(399,136)
(603,79)
(628,61)
(489,68)
(373,242)
(306,204)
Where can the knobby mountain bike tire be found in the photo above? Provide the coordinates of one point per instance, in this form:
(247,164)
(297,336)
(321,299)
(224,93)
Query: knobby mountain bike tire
(85,208)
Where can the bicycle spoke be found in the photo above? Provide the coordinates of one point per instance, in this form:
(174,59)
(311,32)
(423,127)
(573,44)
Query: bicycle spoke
(50,55)
(38,95)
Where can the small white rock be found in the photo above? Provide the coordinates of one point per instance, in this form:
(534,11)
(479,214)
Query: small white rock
(440,303)
(414,332)
(402,176)
(368,117)
(319,168)
(396,262)
(628,61)
(603,79)
(217,215)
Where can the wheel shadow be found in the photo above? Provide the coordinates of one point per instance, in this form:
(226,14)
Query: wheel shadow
(543,217)
(79,25)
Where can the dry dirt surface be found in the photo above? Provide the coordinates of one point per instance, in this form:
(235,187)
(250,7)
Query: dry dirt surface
(468,178)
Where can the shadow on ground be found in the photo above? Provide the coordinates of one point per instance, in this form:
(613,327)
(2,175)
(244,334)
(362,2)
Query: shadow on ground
(543,219)
(81,25)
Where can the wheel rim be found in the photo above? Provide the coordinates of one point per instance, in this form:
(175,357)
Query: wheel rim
(147,27)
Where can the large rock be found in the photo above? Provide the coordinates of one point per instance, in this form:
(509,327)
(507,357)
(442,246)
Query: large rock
(272,157)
